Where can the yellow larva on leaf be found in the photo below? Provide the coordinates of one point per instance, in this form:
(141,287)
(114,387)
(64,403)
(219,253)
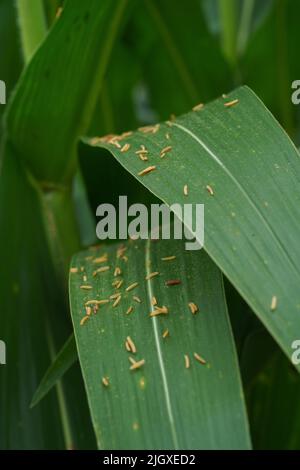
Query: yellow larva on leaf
(84,319)
(105,381)
(151,275)
(88,310)
(165,150)
(210,190)
(125,148)
(193,308)
(100,259)
(117,301)
(129,310)
(86,287)
(199,358)
(97,302)
(132,286)
(187,361)
(103,269)
(153,301)
(231,103)
(138,364)
(147,170)
(165,333)
(185,190)
(117,272)
(131,344)
(73,270)
(136,299)
(198,107)
(168,258)
(273,305)
(159,311)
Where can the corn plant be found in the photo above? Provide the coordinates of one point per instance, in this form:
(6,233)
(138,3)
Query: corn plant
(140,343)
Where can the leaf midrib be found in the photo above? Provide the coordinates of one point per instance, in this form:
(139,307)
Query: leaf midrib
(159,351)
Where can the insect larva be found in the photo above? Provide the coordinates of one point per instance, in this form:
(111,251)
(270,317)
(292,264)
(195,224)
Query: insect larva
(101,259)
(138,364)
(125,258)
(97,302)
(131,344)
(193,308)
(117,272)
(117,301)
(199,358)
(210,190)
(198,107)
(105,381)
(137,299)
(121,250)
(273,305)
(144,158)
(168,258)
(231,103)
(187,361)
(159,311)
(81,269)
(127,346)
(87,287)
(153,301)
(165,333)
(133,361)
(95,140)
(149,129)
(185,190)
(88,311)
(84,319)
(129,310)
(103,269)
(167,136)
(173,282)
(142,150)
(165,150)
(126,134)
(125,148)
(95,308)
(147,170)
(119,284)
(115,143)
(114,296)
(74,270)
(132,286)
(84,278)
(151,275)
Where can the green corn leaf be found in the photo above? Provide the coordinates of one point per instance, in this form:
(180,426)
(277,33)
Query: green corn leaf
(51,106)
(239,162)
(64,359)
(163,404)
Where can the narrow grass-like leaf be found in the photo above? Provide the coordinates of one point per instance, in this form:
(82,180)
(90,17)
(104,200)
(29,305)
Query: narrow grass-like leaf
(162,404)
(240,163)
(64,359)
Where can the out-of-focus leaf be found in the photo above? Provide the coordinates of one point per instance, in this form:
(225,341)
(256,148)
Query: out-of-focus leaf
(239,162)
(273,403)
(178,71)
(51,106)
(33,322)
(163,404)
(64,359)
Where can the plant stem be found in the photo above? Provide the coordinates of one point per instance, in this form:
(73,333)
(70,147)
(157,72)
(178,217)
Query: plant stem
(32,23)
(228,17)
(245,25)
